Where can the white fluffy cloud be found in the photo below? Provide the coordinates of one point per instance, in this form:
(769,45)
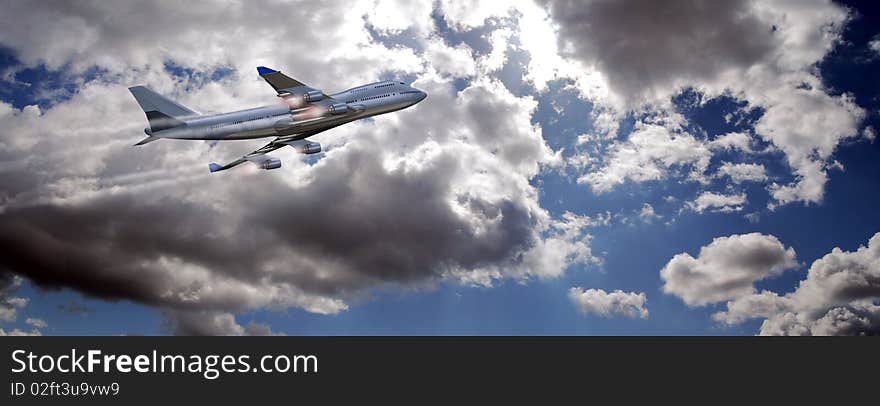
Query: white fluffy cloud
(874,45)
(838,297)
(740,173)
(718,202)
(726,268)
(732,141)
(456,61)
(807,124)
(649,153)
(9,303)
(609,304)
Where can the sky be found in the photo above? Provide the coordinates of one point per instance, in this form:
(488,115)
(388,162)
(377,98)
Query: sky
(588,167)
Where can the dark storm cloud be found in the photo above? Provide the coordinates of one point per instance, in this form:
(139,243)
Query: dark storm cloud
(106,248)
(354,226)
(645,45)
(392,226)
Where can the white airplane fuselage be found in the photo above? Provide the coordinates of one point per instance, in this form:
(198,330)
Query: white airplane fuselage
(283,119)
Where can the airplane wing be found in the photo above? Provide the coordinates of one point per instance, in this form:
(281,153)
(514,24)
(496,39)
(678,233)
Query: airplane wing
(278,80)
(259,157)
(301,96)
(287,86)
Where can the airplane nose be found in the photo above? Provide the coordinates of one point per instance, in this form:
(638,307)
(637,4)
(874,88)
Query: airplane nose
(422,96)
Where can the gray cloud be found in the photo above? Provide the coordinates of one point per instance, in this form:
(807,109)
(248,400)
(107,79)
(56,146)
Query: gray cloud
(726,268)
(838,297)
(609,304)
(210,323)
(646,46)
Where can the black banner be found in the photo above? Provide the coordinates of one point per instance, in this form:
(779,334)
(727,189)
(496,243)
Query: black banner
(414,370)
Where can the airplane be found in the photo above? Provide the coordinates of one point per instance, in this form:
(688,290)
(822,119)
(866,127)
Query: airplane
(303,112)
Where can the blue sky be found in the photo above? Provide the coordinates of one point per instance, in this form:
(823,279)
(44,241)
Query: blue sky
(627,252)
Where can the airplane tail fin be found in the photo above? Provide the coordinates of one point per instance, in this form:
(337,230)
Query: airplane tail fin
(162,112)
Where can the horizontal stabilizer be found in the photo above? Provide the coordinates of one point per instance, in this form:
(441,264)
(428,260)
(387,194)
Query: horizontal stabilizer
(214,167)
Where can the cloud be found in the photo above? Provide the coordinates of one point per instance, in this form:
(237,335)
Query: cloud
(202,323)
(740,173)
(807,125)
(666,44)
(406,200)
(36,323)
(717,202)
(141,34)
(764,304)
(838,297)
(609,304)
(211,323)
(732,141)
(760,53)
(647,213)
(869,134)
(649,153)
(457,61)
(726,268)
(260,329)
(874,44)
(9,303)
(19,332)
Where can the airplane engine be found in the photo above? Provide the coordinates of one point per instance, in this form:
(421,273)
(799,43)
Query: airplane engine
(308,148)
(338,108)
(313,96)
(271,163)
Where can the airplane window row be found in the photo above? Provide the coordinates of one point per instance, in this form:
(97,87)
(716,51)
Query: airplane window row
(375,97)
(218,125)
